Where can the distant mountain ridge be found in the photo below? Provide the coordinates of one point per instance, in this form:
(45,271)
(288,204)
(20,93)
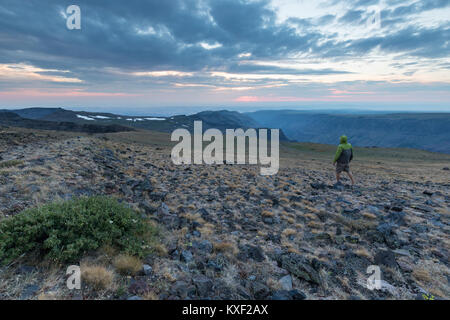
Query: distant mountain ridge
(13,119)
(221,120)
(426,131)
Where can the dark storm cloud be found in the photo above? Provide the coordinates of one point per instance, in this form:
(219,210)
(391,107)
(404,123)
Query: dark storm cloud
(420,42)
(136,35)
(35,31)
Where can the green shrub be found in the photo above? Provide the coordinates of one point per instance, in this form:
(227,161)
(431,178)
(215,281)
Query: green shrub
(63,231)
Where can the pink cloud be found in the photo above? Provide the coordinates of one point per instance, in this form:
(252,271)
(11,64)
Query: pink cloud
(60,93)
(347,96)
(337,92)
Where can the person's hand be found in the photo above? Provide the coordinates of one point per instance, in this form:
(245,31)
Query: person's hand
(334,163)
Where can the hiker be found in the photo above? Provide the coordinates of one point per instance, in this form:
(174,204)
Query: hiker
(344,155)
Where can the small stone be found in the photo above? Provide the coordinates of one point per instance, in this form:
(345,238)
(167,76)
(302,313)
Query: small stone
(396,208)
(181,289)
(286,283)
(203,284)
(139,287)
(147,269)
(186,256)
(158,196)
(204,246)
(405,265)
(402,252)
(299,266)
(260,290)
(281,295)
(297,295)
(288,295)
(163,209)
(29,291)
(419,228)
(134,298)
(318,185)
(255,253)
(338,186)
(323,236)
(385,257)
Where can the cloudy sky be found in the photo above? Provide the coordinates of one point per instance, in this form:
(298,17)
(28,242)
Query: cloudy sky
(138,54)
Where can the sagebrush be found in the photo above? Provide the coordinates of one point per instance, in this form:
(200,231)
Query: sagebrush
(63,231)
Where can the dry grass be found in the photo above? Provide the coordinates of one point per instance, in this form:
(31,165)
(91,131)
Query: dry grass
(354,225)
(127,265)
(207,229)
(273,283)
(369,215)
(292,249)
(361,225)
(98,277)
(310,216)
(363,252)
(225,246)
(262,233)
(422,275)
(290,220)
(160,250)
(194,217)
(314,225)
(284,200)
(48,296)
(108,251)
(432,277)
(230,276)
(150,296)
(10,163)
(267,213)
(288,232)
(168,274)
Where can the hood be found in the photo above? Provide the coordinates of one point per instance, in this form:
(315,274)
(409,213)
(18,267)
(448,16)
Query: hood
(343,139)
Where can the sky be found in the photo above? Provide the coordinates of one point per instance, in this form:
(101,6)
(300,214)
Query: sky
(136,55)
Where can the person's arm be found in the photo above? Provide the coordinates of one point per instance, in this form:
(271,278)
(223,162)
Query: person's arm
(351,154)
(338,154)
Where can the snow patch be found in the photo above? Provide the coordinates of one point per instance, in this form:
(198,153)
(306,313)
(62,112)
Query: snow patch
(85,118)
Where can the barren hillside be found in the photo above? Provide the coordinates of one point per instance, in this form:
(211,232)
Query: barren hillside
(228,233)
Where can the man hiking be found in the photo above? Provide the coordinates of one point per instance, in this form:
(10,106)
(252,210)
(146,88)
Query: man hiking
(344,155)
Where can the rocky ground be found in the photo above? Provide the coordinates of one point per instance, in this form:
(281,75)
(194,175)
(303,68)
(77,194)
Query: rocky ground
(230,233)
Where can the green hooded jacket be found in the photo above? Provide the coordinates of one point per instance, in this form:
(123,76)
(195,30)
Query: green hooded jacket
(347,156)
